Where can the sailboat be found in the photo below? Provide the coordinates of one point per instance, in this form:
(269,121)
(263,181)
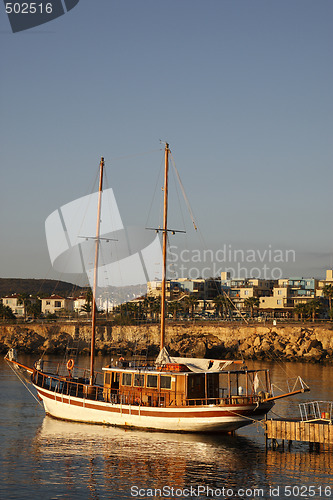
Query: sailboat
(176,394)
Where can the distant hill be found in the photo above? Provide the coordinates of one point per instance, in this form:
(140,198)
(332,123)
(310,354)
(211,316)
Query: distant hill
(8,286)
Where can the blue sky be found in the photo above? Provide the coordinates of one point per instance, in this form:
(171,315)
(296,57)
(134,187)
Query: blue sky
(242,91)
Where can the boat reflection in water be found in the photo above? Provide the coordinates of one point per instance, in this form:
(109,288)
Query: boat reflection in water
(111,462)
(119,460)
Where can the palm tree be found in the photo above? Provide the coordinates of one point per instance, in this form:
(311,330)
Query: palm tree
(34,309)
(6,312)
(132,310)
(328,293)
(251,302)
(300,309)
(173,307)
(24,299)
(313,307)
(222,304)
(86,308)
(152,306)
(191,300)
(156,308)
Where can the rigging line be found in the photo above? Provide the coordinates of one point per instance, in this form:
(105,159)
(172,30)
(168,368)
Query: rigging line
(171,265)
(25,385)
(179,203)
(202,239)
(183,191)
(243,416)
(200,234)
(155,189)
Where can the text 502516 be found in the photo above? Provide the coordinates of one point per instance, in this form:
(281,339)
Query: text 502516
(28,8)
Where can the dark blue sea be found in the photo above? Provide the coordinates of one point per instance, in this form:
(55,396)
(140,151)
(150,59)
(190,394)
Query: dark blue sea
(48,459)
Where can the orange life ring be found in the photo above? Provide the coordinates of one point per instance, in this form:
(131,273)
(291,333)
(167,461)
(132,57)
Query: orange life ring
(70,364)
(121,358)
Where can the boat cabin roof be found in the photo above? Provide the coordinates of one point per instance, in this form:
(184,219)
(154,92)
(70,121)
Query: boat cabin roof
(167,371)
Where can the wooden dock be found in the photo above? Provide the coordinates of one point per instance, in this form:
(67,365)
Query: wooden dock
(315,432)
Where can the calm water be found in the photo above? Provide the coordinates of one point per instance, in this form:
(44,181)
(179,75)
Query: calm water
(43,457)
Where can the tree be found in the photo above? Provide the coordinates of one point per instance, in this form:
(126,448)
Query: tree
(152,306)
(191,301)
(174,307)
(328,293)
(6,312)
(132,310)
(300,309)
(24,299)
(34,309)
(222,305)
(87,307)
(252,302)
(313,307)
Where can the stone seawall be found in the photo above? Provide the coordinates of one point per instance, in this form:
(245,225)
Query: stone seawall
(305,342)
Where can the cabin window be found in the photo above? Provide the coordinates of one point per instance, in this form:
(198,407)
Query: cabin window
(127,379)
(139,380)
(151,380)
(165,382)
(107,379)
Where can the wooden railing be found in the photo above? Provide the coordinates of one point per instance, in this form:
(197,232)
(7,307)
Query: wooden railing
(68,387)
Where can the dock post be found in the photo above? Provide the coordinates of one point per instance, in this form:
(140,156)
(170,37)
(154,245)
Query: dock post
(266,433)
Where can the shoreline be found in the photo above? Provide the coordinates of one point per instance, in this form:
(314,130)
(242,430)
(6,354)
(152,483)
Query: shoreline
(302,342)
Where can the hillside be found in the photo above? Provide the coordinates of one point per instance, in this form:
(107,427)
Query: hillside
(9,286)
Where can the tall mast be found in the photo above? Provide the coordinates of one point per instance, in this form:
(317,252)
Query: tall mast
(94,307)
(165,236)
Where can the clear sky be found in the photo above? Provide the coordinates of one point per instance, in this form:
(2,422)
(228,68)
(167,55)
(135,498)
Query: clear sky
(241,89)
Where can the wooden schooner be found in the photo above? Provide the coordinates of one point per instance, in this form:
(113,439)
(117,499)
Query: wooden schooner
(172,394)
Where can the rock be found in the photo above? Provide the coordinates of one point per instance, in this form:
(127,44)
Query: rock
(278,346)
(266,346)
(289,352)
(315,354)
(257,341)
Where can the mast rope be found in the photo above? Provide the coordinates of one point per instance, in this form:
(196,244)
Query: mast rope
(183,191)
(25,385)
(154,194)
(246,418)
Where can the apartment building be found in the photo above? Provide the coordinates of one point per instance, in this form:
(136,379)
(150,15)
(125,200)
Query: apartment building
(240,289)
(288,293)
(322,283)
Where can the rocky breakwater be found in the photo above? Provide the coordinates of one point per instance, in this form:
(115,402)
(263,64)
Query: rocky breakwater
(292,342)
(35,338)
(287,342)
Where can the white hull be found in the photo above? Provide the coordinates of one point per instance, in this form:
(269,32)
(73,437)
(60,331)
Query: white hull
(177,419)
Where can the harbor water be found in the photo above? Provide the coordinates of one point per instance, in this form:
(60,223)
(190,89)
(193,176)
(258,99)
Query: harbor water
(45,458)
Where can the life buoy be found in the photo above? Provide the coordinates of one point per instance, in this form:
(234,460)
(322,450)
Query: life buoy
(70,364)
(121,358)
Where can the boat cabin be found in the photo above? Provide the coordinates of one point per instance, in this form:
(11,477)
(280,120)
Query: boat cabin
(177,385)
